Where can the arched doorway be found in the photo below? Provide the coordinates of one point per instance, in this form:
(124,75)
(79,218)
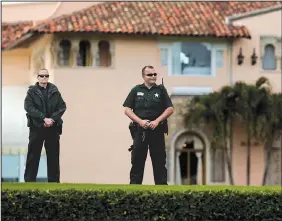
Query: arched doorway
(188,158)
(190,161)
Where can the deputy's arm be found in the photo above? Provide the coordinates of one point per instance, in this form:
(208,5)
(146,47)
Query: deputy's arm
(167,105)
(129,106)
(128,112)
(169,111)
(30,109)
(61,108)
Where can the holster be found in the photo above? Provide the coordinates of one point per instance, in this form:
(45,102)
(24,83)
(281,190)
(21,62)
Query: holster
(165,126)
(133,130)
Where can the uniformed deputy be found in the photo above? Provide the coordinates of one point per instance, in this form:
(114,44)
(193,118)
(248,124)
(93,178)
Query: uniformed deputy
(44,106)
(148,105)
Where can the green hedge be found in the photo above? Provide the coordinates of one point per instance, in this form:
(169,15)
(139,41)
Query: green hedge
(39,202)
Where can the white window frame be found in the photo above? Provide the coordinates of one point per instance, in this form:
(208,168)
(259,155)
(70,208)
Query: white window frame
(275,41)
(215,47)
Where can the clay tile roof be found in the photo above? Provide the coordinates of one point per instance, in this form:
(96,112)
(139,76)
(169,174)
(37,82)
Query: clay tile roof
(12,32)
(157,18)
(160,18)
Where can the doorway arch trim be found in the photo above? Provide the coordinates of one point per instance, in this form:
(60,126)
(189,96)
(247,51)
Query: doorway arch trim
(196,132)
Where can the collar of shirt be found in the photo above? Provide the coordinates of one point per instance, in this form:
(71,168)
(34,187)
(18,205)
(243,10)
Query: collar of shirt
(43,88)
(144,86)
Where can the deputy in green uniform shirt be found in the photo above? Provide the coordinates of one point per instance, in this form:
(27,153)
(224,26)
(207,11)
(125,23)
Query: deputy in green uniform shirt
(148,106)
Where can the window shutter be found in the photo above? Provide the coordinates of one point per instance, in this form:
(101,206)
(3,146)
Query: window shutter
(219,58)
(175,54)
(164,56)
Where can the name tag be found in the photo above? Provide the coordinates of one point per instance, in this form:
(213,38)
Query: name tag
(140,94)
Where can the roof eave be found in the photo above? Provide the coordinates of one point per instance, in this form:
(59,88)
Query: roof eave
(150,34)
(22,39)
(233,18)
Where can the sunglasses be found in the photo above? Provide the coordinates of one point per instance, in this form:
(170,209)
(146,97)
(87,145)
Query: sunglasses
(151,75)
(43,75)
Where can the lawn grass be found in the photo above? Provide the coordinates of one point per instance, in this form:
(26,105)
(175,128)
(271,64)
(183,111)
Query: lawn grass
(126,187)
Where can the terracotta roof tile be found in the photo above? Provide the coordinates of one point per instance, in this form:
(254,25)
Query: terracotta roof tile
(161,18)
(11,32)
(158,18)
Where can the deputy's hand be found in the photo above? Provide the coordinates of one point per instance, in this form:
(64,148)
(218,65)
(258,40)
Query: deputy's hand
(153,124)
(144,123)
(48,121)
(46,125)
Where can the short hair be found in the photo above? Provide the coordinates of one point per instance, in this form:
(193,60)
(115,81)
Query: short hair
(42,69)
(147,66)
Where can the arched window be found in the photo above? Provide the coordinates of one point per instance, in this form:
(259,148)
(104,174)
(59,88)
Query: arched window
(83,56)
(269,60)
(64,53)
(104,56)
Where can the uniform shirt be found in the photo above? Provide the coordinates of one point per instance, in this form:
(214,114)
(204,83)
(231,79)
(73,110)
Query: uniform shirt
(148,103)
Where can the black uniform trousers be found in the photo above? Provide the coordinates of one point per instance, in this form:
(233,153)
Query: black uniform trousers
(154,139)
(51,137)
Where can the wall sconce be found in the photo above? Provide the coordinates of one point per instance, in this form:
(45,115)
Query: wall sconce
(254,57)
(240,57)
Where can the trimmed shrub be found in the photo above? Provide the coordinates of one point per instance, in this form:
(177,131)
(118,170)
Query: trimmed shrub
(140,203)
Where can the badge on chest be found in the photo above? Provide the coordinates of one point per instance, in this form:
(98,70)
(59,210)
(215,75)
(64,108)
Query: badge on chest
(140,94)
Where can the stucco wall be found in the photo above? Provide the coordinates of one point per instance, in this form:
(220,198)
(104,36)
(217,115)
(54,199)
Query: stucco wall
(15,67)
(262,25)
(34,11)
(96,135)
(27,11)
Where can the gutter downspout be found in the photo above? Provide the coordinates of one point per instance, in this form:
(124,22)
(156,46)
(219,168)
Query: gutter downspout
(230,50)
(228,21)
(230,79)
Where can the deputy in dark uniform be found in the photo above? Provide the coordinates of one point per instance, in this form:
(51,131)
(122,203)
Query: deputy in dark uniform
(44,106)
(148,106)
